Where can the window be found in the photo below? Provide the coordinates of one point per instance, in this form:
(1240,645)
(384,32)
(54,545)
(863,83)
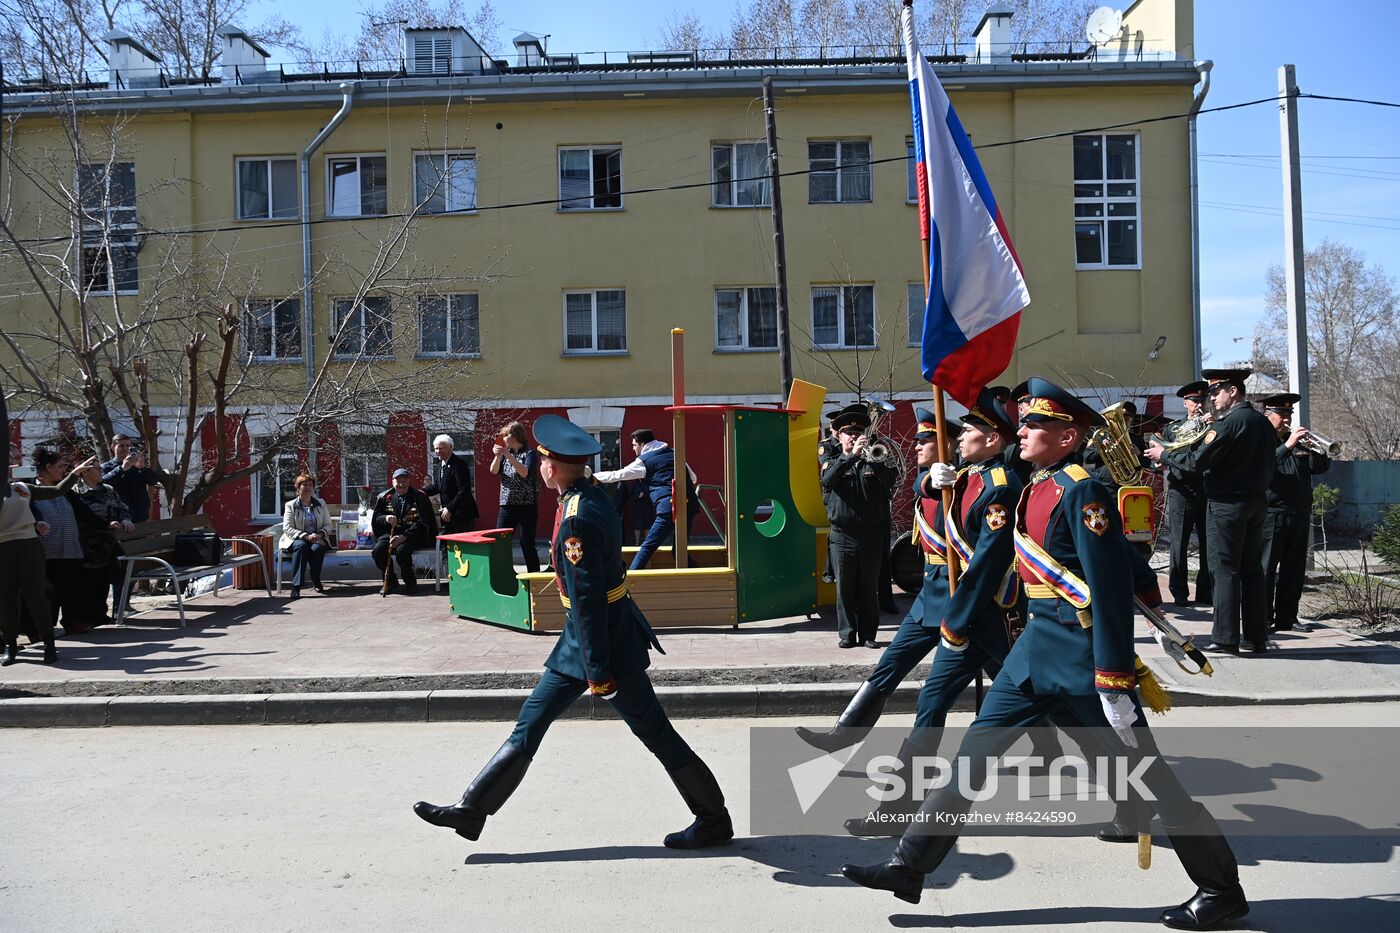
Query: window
(610,457)
(595,322)
(448,325)
(363,462)
(357,186)
(267,189)
(364,328)
(272,329)
(843,316)
(918,302)
(444,181)
(746,319)
(272,486)
(911,172)
(1106,198)
(740,176)
(590,179)
(107,199)
(838,171)
(432,55)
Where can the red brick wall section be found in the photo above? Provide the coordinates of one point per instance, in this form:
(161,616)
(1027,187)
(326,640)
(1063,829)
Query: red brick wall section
(229,508)
(406,443)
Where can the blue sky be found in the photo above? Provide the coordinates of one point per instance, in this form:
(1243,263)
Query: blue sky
(1351,152)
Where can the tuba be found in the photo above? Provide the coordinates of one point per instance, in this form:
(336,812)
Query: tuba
(1116,448)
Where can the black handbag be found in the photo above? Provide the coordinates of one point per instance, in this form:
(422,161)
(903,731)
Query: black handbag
(196,548)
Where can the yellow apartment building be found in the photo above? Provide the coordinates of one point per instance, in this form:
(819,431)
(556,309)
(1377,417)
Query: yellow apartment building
(533,228)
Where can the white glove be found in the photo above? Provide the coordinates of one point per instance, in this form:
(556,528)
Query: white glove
(1118,709)
(1172,649)
(941,475)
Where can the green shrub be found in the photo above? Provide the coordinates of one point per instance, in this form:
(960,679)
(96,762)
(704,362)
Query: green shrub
(1385,540)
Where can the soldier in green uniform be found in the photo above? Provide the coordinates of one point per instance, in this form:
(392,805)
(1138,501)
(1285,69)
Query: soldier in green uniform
(1290,512)
(603,651)
(1077,651)
(1236,461)
(858,507)
(1186,505)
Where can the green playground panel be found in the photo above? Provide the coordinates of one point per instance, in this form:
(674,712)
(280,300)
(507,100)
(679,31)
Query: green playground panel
(776,572)
(481,578)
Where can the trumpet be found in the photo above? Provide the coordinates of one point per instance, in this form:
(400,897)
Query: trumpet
(1319,444)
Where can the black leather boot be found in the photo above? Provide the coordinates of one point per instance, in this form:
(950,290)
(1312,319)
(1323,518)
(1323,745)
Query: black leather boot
(852,725)
(50,652)
(1124,827)
(903,875)
(701,793)
(1210,863)
(11,650)
(891,817)
(487,793)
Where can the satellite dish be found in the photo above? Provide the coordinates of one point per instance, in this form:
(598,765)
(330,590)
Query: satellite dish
(1104,24)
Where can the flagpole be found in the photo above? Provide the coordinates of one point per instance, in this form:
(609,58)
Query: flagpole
(940,420)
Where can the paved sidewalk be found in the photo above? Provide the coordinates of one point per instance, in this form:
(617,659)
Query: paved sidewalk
(243,642)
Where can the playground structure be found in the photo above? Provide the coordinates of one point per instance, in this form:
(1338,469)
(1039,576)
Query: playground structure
(773,526)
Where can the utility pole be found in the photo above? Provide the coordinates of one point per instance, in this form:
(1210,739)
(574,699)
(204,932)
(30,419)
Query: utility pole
(1295,282)
(779,246)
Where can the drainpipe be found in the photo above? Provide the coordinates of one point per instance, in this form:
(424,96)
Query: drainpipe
(308,329)
(1202,89)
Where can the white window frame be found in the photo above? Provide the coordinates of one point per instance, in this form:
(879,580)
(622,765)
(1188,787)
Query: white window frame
(593,349)
(839,169)
(366,460)
(1107,203)
(359,158)
(285,461)
(917,299)
(445,187)
(272,305)
(732,185)
(843,343)
(459,303)
(346,305)
(573,205)
(114,228)
(271,214)
(744,346)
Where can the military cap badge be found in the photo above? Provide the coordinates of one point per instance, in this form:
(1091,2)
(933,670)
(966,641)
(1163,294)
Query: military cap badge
(996,516)
(573,550)
(1096,518)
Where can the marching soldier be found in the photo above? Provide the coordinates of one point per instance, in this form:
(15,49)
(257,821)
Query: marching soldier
(1290,512)
(602,651)
(1236,461)
(1077,650)
(1186,505)
(858,507)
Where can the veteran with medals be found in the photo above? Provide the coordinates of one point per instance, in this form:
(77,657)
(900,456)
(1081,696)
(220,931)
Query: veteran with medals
(603,651)
(1077,650)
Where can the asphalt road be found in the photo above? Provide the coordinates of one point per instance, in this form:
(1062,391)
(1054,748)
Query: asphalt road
(308,828)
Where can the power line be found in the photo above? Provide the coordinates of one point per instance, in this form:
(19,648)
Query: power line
(1352,100)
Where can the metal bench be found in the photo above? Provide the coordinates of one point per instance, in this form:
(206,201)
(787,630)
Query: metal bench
(154,543)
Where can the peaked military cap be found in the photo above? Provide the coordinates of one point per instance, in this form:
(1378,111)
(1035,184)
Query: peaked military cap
(1130,406)
(1002,393)
(1221,377)
(1021,391)
(560,439)
(1049,402)
(927,427)
(856,414)
(1283,402)
(989,413)
(1195,389)
(402,472)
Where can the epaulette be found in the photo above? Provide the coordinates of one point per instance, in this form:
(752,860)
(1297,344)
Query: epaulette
(998,476)
(1076,472)
(571,509)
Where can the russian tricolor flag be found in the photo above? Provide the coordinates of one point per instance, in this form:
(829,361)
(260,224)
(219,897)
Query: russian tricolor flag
(976,291)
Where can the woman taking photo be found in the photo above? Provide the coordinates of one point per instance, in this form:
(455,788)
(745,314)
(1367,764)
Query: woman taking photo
(518,466)
(306,535)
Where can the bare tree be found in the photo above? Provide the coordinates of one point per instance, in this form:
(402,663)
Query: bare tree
(1352,346)
(686,31)
(179,355)
(380,38)
(186,31)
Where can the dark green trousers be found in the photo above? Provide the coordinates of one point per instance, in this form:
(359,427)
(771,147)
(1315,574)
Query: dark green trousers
(857,567)
(1186,515)
(1285,565)
(1236,533)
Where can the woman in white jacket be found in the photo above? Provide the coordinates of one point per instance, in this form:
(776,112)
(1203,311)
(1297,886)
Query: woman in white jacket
(306,535)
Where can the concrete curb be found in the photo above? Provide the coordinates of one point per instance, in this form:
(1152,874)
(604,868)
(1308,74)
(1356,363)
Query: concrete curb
(706,702)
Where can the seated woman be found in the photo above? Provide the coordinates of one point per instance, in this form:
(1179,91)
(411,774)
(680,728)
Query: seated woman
(306,535)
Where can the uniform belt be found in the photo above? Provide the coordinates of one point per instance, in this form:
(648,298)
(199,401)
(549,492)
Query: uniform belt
(614,594)
(935,559)
(1042,591)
